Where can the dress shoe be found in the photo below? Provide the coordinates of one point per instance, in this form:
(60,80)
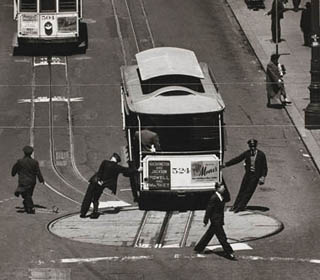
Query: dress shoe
(31,211)
(197,251)
(82,215)
(94,215)
(231,257)
(286,101)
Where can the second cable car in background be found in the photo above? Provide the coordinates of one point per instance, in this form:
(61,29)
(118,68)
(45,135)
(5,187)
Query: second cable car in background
(48,21)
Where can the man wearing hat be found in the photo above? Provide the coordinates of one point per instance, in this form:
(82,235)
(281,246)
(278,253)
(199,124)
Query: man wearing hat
(106,177)
(256,170)
(274,81)
(28,170)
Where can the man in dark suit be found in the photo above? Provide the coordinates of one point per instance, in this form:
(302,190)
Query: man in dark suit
(28,171)
(276,13)
(215,213)
(256,170)
(106,177)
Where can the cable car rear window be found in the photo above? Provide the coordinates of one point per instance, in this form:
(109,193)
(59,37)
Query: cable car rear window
(28,6)
(196,132)
(47,5)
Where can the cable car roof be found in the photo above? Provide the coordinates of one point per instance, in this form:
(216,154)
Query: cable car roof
(168,61)
(171,99)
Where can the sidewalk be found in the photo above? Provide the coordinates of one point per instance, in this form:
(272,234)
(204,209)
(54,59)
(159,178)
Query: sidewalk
(296,58)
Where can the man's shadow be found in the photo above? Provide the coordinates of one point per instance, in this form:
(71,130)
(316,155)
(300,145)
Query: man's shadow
(20,209)
(258,208)
(276,106)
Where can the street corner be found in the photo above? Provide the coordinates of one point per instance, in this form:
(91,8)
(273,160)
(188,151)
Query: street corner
(131,227)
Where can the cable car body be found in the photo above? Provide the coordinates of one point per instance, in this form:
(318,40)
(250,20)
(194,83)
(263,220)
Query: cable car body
(175,96)
(47,21)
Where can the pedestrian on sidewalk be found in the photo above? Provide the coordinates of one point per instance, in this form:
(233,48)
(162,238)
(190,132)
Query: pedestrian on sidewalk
(215,213)
(274,81)
(256,170)
(305,24)
(276,13)
(28,171)
(296,4)
(106,177)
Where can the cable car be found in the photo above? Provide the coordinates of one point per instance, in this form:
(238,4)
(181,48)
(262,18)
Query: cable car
(175,97)
(47,21)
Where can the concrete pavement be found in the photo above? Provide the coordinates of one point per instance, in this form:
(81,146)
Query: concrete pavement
(296,58)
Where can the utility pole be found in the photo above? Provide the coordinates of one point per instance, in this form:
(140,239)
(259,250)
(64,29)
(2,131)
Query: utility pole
(312,112)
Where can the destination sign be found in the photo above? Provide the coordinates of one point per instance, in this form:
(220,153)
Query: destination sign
(159,175)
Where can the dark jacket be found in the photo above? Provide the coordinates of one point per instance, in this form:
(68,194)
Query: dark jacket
(305,21)
(274,12)
(215,210)
(28,170)
(109,171)
(261,167)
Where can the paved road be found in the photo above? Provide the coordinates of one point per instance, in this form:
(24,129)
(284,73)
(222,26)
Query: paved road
(290,194)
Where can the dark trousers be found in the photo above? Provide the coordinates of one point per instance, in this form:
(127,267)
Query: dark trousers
(248,186)
(307,38)
(27,199)
(93,194)
(26,191)
(214,229)
(275,30)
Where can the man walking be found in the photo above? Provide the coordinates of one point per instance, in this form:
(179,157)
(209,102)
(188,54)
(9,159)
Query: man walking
(274,81)
(106,177)
(28,170)
(276,13)
(256,170)
(215,213)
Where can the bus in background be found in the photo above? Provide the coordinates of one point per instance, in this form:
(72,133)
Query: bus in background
(47,21)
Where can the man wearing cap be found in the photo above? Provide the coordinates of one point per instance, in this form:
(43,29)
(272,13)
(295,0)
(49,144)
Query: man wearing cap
(28,171)
(274,81)
(256,170)
(215,213)
(106,177)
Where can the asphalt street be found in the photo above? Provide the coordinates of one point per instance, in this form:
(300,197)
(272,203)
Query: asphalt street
(72,137)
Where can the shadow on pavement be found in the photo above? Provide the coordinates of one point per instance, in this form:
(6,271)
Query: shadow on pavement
(258,208)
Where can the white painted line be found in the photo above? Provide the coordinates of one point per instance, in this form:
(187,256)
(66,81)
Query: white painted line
(279,259)
(41,99)
(124,258)
(195,256)
(235,247)
(112,204)
(182,256)
(171,246)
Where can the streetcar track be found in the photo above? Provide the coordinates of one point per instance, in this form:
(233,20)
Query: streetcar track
(138,242)
(53,160)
